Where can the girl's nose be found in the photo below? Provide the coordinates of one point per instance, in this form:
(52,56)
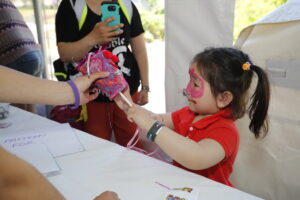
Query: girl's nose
(185,93)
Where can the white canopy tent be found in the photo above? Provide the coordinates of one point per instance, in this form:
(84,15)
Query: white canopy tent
(191,26)
(269,167)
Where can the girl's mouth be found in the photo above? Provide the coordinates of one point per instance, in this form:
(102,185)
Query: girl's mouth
(192,101)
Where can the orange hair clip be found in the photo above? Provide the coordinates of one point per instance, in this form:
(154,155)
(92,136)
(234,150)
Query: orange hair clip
(246,66)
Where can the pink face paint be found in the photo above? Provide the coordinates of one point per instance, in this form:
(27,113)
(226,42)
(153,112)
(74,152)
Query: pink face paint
(195,87)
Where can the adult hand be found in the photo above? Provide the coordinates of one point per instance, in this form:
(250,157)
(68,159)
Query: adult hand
(102,33)
(85,86)
(142,97)
(107,195)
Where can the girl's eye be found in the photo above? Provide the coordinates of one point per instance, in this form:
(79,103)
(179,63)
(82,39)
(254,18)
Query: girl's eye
(195,84)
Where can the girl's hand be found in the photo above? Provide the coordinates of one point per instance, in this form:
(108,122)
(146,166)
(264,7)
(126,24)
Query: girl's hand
(102,33)
(85,86)
(142,117)
(122,104)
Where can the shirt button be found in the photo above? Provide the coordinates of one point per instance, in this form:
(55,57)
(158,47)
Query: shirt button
(191,128)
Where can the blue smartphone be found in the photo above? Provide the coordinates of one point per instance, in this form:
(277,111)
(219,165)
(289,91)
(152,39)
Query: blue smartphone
(111,9)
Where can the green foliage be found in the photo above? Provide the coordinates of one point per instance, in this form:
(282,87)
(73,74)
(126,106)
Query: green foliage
(249,11)
(153,20)
(246,13)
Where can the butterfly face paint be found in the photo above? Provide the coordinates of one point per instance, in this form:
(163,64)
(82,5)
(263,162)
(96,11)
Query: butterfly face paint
(195,87)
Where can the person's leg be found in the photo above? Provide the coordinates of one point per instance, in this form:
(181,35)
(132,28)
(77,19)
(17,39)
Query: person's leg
(31,63)
(123,129)
(99,119)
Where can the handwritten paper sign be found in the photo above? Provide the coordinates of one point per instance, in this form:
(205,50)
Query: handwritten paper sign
(59,139)
(38,156)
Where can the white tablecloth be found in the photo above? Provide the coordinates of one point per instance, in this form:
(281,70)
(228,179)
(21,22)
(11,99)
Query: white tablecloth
(107,166)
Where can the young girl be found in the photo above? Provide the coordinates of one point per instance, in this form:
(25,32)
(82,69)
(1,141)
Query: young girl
(202,137)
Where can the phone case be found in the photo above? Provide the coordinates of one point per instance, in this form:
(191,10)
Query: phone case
(110,9)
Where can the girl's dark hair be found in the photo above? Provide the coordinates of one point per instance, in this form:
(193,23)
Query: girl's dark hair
(222,69)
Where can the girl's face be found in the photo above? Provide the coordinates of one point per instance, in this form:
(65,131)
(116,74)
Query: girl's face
(200,97)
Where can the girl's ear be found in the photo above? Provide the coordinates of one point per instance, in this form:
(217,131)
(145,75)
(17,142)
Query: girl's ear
(224,99)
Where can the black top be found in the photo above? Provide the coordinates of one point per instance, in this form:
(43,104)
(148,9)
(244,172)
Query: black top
(67,30)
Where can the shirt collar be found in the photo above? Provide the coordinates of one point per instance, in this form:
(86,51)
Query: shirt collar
(225,113)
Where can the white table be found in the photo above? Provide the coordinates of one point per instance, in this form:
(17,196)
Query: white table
(107,166)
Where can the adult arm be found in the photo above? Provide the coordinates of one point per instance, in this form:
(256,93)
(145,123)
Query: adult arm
(19,180)
(17,87)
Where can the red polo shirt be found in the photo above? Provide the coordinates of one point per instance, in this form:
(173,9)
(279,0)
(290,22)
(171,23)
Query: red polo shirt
(216,127)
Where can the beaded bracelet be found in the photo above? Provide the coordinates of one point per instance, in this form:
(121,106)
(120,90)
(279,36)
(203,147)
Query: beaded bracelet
(76,94)
(154,130)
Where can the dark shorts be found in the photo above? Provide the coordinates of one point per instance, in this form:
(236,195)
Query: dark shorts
(30,63)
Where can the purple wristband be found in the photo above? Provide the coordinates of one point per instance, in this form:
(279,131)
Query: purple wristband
(76,94)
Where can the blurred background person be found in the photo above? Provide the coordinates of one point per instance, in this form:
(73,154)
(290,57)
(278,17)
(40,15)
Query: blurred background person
(18,49)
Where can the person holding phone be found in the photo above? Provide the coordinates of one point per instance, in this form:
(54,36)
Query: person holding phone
(75,38)
(111,9)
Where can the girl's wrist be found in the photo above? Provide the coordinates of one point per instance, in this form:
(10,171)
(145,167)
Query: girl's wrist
(146,124)
(154,130)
